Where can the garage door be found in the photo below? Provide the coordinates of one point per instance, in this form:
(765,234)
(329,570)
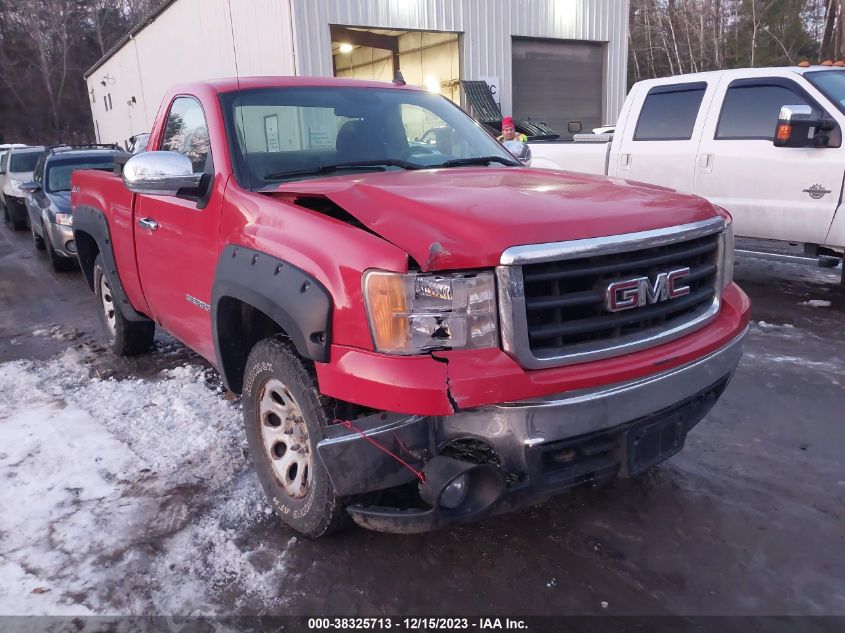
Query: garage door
(557,81)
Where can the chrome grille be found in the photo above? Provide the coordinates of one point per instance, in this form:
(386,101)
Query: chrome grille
(553,295)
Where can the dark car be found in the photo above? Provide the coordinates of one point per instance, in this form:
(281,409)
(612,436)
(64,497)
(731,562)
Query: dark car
(48,198)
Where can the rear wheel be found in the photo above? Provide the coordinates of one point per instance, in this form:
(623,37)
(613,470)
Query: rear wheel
(124,337)
(284,417)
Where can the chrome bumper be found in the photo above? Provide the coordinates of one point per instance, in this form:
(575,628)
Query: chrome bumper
(514,431)
(543,447)
(512,427)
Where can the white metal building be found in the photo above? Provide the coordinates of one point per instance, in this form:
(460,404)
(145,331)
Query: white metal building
(549,60)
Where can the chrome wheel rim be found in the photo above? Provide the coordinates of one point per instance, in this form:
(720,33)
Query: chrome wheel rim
(285,439)
(108,303)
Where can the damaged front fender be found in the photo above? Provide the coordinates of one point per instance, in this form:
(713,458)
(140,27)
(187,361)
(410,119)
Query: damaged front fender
(415,385)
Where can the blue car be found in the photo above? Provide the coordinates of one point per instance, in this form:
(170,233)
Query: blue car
(48,198)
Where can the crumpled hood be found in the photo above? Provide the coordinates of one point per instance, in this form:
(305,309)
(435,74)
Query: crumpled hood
(466,217)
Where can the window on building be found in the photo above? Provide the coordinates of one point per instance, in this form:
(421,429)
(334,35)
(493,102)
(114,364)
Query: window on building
(669,112)
(186,132)
(751,111)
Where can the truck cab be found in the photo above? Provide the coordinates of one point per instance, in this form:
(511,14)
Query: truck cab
(714,135)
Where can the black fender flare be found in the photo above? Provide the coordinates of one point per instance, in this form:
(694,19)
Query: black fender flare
(292,298)
(92,222)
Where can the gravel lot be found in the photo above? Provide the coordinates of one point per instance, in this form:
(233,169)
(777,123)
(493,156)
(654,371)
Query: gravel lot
(126,489)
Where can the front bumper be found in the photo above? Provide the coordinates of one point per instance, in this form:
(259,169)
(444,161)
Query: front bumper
(540,446)
(61,238)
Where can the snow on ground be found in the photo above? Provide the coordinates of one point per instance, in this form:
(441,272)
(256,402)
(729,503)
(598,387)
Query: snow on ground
(817,303)
(125,496)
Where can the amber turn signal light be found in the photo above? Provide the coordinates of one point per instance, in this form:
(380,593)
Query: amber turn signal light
(388,308)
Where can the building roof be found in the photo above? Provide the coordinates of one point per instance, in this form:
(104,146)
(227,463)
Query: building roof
(149,19)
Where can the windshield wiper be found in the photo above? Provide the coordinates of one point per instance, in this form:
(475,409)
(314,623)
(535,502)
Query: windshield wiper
(480,160)
(377,165)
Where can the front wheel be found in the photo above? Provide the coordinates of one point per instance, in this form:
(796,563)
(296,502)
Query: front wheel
(284,417)
(37,239)
(14,215)
(124,337)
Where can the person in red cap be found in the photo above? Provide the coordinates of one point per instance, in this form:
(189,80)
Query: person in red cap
(509,132)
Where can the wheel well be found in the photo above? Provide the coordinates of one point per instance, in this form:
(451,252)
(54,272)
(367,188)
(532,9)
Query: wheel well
(239,327)
(87,251)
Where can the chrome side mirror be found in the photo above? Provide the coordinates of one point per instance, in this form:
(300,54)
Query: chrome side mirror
(160,173)
(520,151)
(30,187)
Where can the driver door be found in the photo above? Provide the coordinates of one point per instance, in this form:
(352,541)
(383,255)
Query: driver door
(177,239)
(781,193)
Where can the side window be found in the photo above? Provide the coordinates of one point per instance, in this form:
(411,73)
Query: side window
(750,111)
(427,133)
(38,175)
(186,132)
(669,112)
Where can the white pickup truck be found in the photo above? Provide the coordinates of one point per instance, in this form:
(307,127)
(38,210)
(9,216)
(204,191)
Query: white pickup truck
(764,143)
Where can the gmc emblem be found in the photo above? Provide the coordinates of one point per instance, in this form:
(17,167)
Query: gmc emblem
(635,293)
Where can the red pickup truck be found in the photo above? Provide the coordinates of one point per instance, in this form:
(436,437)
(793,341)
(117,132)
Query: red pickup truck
(422,330)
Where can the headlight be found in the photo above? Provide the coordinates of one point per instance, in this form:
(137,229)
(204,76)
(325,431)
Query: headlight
(413,313)
(16,186)
(65,219)
(728,255)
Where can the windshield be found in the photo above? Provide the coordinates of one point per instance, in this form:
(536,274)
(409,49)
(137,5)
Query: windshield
(58,173)
(279,134)
(831,83)
(23,161)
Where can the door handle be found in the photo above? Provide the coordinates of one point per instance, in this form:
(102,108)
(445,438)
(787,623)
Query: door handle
(625,161)
(705,162)
(148,223)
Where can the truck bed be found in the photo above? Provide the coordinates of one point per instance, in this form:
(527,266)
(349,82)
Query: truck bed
(585,157)
(105,191)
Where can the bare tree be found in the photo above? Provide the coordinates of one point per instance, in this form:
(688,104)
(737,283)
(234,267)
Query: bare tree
(47,23)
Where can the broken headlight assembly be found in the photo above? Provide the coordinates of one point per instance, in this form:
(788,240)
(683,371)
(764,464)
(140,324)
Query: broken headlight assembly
(413,313)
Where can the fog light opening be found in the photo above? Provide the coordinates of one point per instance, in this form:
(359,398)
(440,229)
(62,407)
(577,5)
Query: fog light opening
(455,492)
(70,246)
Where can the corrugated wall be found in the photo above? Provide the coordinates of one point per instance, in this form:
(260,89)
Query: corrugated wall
(191,40)
(195,39)
(487,27)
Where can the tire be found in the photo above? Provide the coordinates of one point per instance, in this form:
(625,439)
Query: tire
(37,240)
(284,409)
(18,223)
(61,264)
(124,337)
